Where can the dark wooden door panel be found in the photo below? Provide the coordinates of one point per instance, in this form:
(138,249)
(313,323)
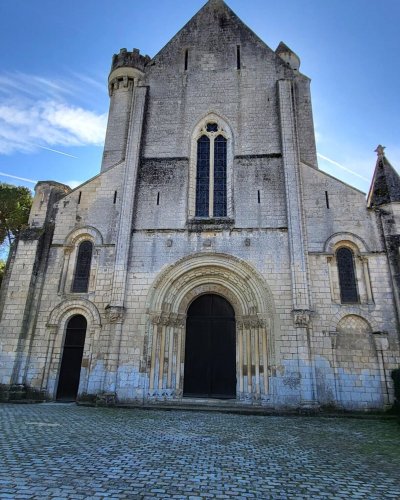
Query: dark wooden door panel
(210,353)
(70,373)
(70,370)
(223,355)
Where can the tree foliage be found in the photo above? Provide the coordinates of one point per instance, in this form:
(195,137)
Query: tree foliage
(15,204)
(2,270)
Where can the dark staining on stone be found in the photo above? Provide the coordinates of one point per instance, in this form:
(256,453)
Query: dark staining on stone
(251,157)
(31,233)
(161,171)
(223,21)
(205,224)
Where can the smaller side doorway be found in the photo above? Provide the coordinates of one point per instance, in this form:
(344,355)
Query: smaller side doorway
(70,370)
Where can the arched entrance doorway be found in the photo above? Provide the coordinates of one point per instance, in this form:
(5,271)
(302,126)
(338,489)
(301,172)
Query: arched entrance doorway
(70,370)
(210,349)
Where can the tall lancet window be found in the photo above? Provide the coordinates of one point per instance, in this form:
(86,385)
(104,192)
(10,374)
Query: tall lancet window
(82,268)
(347,276)
(211,197)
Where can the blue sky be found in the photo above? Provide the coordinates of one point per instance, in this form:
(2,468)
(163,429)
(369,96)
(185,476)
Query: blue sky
(56,58)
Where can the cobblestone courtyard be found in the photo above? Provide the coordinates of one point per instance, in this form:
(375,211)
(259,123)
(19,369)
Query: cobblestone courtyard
(65,451)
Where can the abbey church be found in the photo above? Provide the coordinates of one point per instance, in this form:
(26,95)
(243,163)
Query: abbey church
(210,259)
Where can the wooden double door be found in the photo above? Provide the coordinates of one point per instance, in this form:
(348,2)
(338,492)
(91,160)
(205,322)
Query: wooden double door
(210,349)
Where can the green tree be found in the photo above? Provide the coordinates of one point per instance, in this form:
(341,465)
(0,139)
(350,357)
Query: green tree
(2,270)
(15,205)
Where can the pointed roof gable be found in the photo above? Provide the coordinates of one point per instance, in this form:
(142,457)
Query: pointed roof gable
(385,186)
(287,54)
(215,16)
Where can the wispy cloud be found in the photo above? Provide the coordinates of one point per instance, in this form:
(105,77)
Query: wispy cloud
(37,111)
(47,124)
(56,151)
(3,174)
(342,167)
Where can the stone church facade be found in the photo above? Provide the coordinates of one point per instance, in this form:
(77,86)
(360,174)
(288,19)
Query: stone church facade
(210,258)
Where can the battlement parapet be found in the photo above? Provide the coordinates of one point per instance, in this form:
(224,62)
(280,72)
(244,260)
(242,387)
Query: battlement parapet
(126,69)
(129,59)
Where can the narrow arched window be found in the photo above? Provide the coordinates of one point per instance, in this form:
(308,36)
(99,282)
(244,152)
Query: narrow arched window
(220,177)
(203,176)
(82,268)
(347,276)
(211,185)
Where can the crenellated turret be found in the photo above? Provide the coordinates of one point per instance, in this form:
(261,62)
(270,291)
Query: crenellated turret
(127,69)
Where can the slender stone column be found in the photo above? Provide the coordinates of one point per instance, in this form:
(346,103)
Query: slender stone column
(297,238)
(52,332)
(125,229)
(128,196)
(240,357)
(65,266)
(154,339)
(338,396)
(180,358)
(115,318)
(263,334)
(382,344)
(370,298)
(257,362)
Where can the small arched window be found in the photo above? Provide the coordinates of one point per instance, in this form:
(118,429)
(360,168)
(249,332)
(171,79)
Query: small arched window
(82,268)
(347,276)
(211,185)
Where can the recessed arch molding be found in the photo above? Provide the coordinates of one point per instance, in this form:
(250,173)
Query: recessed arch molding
(168,300)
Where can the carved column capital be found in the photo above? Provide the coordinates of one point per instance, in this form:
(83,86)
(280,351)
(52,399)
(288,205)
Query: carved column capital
(52,329)
(115,314)
(301,317)
(165,318)
(68,250)
(381,341)
(333,336)
(250,321)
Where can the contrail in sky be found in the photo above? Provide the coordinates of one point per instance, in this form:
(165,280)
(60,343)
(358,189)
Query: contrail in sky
(2,174)
(55,151)
(342,167)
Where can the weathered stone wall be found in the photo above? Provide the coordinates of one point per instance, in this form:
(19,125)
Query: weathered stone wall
(273,257)
(246,98)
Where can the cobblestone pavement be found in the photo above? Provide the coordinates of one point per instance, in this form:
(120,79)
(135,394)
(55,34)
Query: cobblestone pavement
(65,451)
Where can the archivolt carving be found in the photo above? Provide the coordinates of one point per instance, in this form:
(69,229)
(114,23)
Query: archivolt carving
(76,306)
(355,242)
(86,232)
(167,304)
(226,275)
